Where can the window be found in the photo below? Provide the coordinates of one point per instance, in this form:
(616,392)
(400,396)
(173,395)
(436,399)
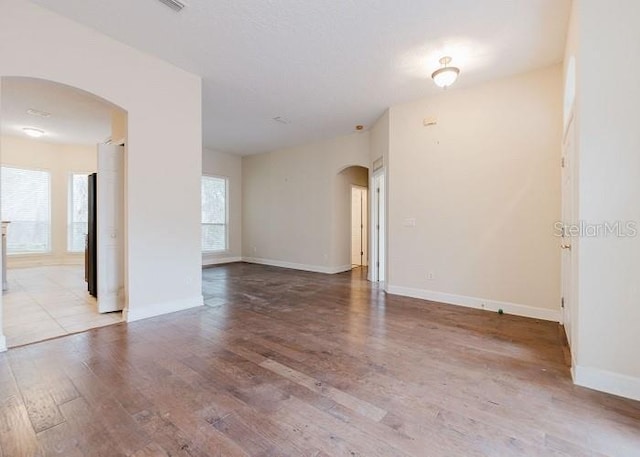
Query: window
(214,214)
(26,202)
(78,212)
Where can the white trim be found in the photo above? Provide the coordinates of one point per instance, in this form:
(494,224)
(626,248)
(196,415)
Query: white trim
(208,260)
(38,260)
(607,381)
(145,312)
(478,303)
(3,343)
(298,266)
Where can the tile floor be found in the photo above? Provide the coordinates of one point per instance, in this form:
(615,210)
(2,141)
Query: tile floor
(46,302)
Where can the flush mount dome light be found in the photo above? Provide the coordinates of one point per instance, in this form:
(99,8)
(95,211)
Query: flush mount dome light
(35,133)
(445,76)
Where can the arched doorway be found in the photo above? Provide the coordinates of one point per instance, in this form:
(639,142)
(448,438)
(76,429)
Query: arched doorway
(48,150)
(354,191)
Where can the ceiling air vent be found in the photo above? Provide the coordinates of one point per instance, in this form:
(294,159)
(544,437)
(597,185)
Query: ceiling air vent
(175,5)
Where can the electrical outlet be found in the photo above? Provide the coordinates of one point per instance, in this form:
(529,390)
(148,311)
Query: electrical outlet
(431,276)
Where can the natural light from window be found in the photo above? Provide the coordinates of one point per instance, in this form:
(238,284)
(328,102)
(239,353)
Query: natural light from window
(26,203)
(214,214)
(78,212)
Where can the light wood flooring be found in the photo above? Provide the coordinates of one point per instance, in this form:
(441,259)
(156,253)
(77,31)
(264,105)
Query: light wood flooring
(286,363)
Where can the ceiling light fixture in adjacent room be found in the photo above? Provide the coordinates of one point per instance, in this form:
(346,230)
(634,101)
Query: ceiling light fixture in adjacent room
(33,132)
(175,5)
(445,76)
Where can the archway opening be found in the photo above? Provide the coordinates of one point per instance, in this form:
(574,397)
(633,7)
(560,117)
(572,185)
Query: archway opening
(53,139)
(354,191)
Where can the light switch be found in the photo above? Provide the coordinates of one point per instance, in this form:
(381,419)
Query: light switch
(410,222)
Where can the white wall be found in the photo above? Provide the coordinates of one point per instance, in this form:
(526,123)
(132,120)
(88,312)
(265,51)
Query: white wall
(483,187)
(609,187)
(289,213)
(60,160)
(229,166)
(164,151)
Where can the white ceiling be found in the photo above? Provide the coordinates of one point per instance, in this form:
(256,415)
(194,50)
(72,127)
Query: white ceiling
(325,65)
(77,117)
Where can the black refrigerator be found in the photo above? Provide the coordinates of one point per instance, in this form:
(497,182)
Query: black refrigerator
(91,250)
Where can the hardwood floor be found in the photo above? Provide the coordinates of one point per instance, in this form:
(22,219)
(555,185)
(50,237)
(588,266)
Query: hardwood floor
(286,363)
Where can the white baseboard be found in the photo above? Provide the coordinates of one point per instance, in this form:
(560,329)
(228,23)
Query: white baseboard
(298,266)
(206,261)
(144,312)
(31,261)
(3,343)
(607,381)
(477,303)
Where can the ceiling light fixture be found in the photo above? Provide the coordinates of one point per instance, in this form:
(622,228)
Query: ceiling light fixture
(35,133)
(445,76)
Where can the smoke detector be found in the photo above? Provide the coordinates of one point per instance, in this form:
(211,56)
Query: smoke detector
(175,5)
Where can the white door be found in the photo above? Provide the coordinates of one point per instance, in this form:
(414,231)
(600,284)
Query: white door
(359,239)
(377,228)
(567,220)
(364,206)
(110,230)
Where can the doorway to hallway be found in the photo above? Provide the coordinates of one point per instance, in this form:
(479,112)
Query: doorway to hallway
(359,224)
(378,215)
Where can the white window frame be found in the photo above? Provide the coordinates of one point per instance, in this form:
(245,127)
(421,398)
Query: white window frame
(50,232)
(226,214)
(70,207)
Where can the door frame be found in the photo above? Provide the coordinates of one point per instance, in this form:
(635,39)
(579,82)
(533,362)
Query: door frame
(568,212)
(377,227)
(364,225)
(111,253)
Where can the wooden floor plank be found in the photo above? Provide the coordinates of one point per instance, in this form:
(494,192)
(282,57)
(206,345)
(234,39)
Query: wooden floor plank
(60,441)
(88,431)
(286,363)
(17,436)
(359,406)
